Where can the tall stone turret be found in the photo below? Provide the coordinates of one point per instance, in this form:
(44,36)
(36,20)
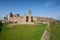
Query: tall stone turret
(29,16)
(8,17)
(24,17)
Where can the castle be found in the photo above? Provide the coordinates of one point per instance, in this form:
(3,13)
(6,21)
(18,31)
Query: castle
(19,19)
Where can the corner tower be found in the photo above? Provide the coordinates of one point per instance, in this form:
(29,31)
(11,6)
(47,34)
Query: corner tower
(29,16)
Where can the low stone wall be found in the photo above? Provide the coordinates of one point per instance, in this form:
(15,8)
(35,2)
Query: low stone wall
(10,25)
(25,23)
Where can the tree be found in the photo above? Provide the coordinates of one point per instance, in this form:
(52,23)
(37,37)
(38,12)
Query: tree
(0,25)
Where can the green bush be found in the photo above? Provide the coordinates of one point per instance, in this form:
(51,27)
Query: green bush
(0,25)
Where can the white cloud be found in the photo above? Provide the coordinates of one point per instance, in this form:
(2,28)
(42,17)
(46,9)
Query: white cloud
(48,3)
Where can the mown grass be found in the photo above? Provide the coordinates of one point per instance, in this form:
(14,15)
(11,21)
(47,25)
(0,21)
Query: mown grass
(23,32)
(55,31)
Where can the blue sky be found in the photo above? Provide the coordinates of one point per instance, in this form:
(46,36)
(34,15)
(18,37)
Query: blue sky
(42,8)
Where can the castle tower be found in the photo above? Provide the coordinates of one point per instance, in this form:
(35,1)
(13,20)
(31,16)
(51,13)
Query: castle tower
(24,17)
(29,16)
(8,17)
(11,15)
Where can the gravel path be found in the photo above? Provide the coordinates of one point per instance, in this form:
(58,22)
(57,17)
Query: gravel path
(46,34)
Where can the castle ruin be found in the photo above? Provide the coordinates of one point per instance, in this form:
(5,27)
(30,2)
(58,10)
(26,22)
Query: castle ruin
(18,19)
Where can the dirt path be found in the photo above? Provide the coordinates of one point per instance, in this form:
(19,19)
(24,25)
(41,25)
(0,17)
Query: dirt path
(46,34)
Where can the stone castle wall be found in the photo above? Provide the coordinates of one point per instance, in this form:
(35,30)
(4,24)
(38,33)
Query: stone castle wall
(17,18)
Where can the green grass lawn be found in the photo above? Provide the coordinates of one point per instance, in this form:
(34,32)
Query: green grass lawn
(55,31)
(23,32)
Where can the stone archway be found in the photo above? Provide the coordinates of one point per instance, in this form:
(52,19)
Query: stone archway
(26,18)
(32,19)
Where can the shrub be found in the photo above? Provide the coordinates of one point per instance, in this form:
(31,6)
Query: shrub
(0,25)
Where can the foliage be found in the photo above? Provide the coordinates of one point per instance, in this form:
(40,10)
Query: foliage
(0,25)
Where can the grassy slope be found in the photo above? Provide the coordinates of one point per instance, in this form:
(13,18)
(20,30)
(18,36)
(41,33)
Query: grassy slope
(23,32)
(55,31)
